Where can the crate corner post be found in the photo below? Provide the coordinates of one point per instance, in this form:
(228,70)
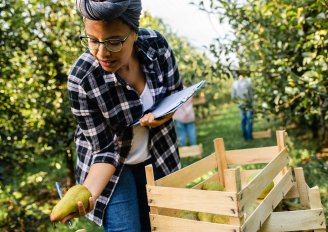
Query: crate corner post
(150,179)
(220,154)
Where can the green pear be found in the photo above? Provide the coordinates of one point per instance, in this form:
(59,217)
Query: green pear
(221,219)
(265,191)
(206,217)
(68,204)
(212,185)
(188,215)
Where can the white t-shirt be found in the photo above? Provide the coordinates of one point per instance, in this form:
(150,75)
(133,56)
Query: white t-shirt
(139,148)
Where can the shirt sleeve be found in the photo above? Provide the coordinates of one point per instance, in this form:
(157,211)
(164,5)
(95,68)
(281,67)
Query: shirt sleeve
(93,125)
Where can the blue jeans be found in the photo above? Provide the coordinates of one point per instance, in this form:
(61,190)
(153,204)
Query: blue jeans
(127,210)
(246,124)
(186,129)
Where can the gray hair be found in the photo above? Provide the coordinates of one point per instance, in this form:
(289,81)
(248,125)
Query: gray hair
(127,10)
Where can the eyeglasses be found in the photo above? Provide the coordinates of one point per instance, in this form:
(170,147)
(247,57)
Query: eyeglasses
(112,45)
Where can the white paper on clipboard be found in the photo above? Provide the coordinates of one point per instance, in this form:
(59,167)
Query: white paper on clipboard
(173,102)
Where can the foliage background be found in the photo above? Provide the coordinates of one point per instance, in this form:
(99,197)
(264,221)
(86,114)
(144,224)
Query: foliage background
(39,42)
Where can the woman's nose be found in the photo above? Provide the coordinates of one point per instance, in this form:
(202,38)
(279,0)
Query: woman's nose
(103,51)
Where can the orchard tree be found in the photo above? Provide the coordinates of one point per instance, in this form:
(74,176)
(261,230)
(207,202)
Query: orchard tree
(39,42)
(283,46)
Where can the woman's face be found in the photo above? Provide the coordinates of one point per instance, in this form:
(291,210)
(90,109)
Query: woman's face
(116,29)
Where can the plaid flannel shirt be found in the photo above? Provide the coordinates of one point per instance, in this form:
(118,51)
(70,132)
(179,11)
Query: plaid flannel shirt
(105,106)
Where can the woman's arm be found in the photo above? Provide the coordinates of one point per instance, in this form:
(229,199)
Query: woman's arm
(98,177)
(101,141)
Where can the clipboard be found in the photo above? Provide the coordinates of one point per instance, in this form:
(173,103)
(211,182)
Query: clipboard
(171,103)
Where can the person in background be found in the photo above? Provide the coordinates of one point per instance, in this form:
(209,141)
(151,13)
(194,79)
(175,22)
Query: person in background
(184,119)
(124,72)
(242,94)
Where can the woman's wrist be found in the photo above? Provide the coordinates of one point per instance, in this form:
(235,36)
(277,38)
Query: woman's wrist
(98,177)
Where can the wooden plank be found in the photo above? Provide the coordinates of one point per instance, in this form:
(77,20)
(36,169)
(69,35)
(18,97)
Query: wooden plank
(217,202)
(262,134)
(185,175)
(191,151)
(281,139)
(263,178)
(315,202)
(302,187)
(295,221)
(281,136)
(172,224)
(220,153)
(251,155)
(293,193)
(150,182)
(314,197)
(263,211)
(233,184)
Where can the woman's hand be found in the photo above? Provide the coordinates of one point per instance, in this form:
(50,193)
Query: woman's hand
(81,210)
(150,121)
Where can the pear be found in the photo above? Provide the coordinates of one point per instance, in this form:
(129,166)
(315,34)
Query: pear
(265,191)
(68,204)
(188,215)
(212,185)
(206,217)
(221,219)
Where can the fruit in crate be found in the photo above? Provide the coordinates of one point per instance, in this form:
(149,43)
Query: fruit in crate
(213,186)
(216,218)
(265,191)
(205,217)
(188,215)
(68,204)
(221,219)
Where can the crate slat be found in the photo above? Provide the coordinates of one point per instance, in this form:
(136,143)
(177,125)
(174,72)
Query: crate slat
(295,221)
(216,202)
(251,155)
(262,134)
(293,193)
(172,224)
(189,173)
(191,151)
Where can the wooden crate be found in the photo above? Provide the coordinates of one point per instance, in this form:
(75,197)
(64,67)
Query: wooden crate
(191,151)
(169,195)
(262,134)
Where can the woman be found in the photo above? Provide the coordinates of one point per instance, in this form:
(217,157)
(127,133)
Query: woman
(125,72)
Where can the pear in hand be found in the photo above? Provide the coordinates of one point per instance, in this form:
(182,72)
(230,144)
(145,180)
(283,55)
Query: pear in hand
(68,204)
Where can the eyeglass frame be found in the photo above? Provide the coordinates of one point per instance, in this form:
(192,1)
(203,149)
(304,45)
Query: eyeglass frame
(105,42)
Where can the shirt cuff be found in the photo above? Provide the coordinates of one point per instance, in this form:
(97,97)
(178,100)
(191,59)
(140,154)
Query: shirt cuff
(107,157)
